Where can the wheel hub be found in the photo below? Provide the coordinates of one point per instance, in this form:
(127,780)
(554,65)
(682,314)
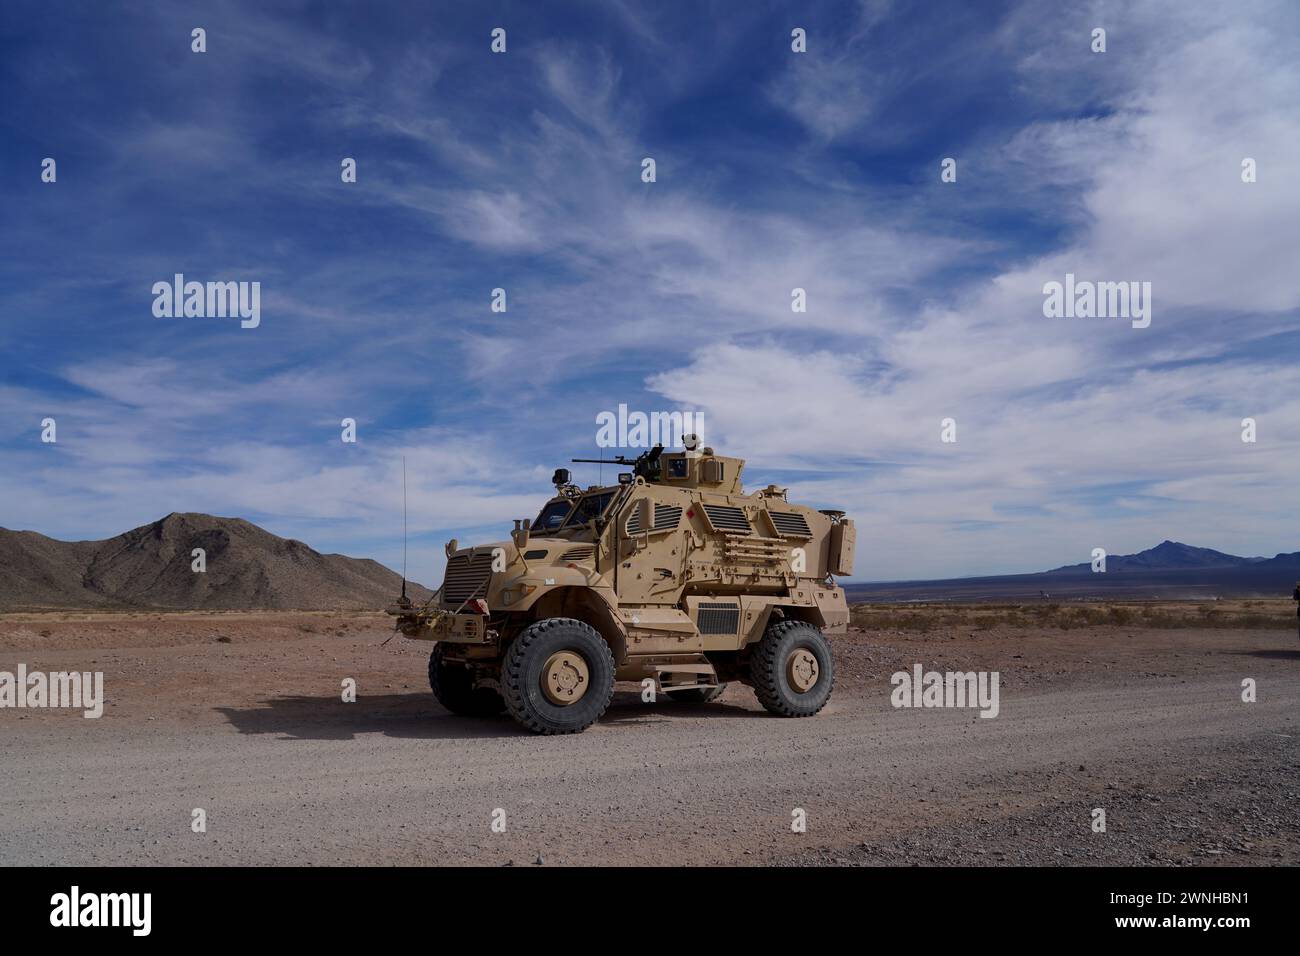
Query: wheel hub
(565,678)
(802,670)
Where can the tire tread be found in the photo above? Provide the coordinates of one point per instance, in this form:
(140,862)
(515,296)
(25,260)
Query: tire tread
(513,683)
(765,671)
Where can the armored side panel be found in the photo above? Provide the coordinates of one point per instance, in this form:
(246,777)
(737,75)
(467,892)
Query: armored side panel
(844,540)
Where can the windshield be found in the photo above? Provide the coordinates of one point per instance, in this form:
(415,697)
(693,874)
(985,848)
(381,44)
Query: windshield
(592,506)
(552,515)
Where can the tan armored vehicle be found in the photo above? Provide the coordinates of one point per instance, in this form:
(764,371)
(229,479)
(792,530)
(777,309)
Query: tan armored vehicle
(673,575)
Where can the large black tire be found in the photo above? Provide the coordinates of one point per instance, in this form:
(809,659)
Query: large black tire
(769,669)
(696,695)
(451,684)
(522,672)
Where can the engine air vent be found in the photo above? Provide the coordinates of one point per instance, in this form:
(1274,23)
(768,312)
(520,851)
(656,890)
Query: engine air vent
(790,524)
(466,577)
(578,554)
(718,617)
(727,518)
(667,517)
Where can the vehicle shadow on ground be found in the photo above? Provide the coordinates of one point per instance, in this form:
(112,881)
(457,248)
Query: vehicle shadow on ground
(394,715)
(417,715)
(628,706)
(1277,655)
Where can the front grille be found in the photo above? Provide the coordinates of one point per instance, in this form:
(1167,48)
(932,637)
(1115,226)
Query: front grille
(467,576)
(727,518)
(790,524)
(667,517)
(718,618)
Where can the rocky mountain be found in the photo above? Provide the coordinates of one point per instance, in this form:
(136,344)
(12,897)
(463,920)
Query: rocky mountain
(247,567)
(1166,556)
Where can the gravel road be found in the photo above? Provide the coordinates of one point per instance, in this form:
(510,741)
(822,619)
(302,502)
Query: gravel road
(249,726)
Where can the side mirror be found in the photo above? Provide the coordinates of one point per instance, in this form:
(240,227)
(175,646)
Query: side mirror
(520,535)
(451,547)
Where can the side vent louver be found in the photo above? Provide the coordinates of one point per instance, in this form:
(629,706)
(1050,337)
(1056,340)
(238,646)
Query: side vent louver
(667,517)
(790,524)
(717,617)
(727,518)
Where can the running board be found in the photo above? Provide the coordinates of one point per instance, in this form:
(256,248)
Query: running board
(685,676)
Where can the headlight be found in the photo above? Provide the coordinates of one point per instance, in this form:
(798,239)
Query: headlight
(517,592)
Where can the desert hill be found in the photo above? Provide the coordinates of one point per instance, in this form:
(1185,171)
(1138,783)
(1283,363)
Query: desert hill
(150,566)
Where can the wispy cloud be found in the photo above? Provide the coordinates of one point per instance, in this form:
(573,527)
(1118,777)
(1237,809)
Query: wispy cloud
(775,171)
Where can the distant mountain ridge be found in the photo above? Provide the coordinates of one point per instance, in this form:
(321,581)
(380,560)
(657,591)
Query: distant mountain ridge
(247,568)
(1166,556)
(1169,570)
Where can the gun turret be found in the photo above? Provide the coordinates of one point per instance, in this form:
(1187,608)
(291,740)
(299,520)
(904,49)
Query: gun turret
(645,464)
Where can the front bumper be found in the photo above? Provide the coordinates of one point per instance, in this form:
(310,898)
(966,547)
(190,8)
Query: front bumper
(435,624)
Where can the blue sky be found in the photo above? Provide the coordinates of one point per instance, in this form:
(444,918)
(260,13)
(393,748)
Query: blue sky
(775,170)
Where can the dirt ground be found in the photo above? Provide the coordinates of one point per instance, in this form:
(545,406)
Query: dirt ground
(240,714)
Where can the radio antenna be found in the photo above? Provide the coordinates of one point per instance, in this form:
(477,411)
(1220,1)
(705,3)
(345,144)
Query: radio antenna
(403,527)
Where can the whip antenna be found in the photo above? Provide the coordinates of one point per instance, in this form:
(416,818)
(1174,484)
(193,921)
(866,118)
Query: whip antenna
(403,527)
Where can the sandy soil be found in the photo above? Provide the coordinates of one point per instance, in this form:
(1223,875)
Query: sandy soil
(240,714)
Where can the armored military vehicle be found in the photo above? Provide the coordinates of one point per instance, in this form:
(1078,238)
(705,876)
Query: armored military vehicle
(674,575)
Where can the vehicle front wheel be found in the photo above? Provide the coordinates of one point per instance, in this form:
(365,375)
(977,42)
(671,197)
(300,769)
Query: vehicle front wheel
(558,676)
(791,669)
(453,685)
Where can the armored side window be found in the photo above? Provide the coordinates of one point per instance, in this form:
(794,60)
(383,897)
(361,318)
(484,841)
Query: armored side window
(552,515)
(589,507)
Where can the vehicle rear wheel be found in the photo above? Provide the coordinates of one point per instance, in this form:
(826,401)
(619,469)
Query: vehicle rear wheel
(696,695)
(791,669)
(453,685)
(558,676)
